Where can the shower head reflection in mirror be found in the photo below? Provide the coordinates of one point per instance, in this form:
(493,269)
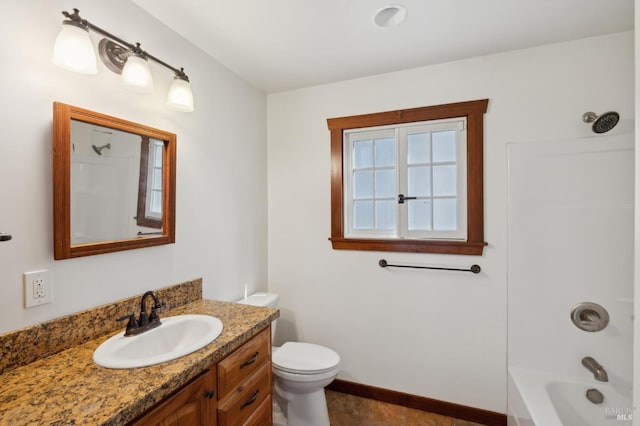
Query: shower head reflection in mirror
(98,149)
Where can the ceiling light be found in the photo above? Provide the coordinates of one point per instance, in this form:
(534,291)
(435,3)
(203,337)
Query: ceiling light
(73,51)
(390,16)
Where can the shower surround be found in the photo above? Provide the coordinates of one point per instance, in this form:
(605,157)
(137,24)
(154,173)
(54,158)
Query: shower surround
(570,241)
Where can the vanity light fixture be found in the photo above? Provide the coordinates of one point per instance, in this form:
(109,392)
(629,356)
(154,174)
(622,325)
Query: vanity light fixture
(73,51)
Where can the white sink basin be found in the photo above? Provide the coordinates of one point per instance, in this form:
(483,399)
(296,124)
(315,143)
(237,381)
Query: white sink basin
(175,337)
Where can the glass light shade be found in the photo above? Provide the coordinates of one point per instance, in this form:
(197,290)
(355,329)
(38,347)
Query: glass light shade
(136,75)
(73,50)
(180,96)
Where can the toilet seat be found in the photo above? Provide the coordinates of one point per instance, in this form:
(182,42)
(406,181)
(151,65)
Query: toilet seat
(304,358)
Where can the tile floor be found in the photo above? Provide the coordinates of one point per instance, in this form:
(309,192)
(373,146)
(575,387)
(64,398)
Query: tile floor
(349,410)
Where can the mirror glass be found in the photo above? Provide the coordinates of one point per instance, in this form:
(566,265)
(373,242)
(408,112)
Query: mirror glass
(114,184)
(113,173)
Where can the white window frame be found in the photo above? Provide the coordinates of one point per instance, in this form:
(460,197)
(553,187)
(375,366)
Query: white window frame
(154,185)
(400,133)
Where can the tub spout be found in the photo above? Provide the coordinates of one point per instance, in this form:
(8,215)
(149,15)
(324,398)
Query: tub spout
(598,371)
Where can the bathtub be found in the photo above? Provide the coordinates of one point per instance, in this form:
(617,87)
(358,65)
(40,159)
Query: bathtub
(545,399)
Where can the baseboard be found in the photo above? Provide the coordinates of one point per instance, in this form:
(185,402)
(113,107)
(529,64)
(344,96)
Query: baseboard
(477,415)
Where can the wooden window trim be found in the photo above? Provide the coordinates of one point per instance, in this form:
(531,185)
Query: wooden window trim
(474,244)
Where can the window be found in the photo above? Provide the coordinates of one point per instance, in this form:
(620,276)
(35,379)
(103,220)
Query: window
(150,183)
(405,181)
(409,180)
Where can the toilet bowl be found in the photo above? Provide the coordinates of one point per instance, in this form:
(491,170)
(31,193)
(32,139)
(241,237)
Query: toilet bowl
(300,372)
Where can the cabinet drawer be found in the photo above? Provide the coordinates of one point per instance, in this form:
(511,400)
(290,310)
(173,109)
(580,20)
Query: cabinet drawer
(242,363)
(263,414)
(241,404)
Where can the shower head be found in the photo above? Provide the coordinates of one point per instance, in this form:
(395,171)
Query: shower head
(98,149)
(601,123)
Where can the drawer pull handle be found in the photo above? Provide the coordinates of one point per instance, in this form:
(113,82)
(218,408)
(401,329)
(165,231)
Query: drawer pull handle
(251,360)
(209,394)
(251,400)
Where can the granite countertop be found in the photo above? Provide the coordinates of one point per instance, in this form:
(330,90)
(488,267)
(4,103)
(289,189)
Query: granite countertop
(69,388)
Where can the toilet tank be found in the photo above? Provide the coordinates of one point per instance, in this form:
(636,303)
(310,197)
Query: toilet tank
(266,300)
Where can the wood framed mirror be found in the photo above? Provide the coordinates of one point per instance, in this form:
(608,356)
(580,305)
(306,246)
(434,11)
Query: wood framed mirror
(114,184)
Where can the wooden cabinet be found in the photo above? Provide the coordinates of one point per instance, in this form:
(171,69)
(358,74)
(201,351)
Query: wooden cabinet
(194,404)
(244,384)
(236,391)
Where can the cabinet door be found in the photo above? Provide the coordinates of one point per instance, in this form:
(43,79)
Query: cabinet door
(194,404)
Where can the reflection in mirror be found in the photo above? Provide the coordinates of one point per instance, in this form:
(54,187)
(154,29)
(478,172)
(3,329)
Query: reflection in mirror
(111,174)
(114,184)
(149,209)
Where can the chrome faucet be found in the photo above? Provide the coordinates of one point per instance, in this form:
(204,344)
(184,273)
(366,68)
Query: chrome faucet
(144,322)
(598,371)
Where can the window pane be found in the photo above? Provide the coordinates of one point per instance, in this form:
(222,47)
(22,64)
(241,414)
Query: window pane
(157,179)
(386,215)
(419,215)
(418,149)
(156,202)
(419,181)
(362,154)
(385,183)
(445,216)
(363,215)
(385,152)
(444,146)
(157,156)
(444,181)
(363,184)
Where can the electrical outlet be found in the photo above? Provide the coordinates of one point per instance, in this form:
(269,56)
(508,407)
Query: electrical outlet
(38,288)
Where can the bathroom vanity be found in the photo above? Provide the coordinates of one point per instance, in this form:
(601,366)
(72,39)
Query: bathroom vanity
(227,382)
(235,391)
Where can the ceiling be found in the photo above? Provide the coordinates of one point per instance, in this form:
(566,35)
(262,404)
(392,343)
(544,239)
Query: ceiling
(280,45)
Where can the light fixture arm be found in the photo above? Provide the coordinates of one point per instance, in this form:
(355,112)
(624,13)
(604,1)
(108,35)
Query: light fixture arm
(77,20)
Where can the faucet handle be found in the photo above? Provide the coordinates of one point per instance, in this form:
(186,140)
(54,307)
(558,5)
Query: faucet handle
(153,316)
(131,325)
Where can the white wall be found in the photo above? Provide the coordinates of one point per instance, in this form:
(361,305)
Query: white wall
(437,334)
(221,172)
(636,257)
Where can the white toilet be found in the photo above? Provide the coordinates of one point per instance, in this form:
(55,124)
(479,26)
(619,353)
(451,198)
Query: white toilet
(300,371)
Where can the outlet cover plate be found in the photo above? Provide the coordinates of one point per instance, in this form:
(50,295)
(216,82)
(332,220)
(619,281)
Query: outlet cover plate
(37,288)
